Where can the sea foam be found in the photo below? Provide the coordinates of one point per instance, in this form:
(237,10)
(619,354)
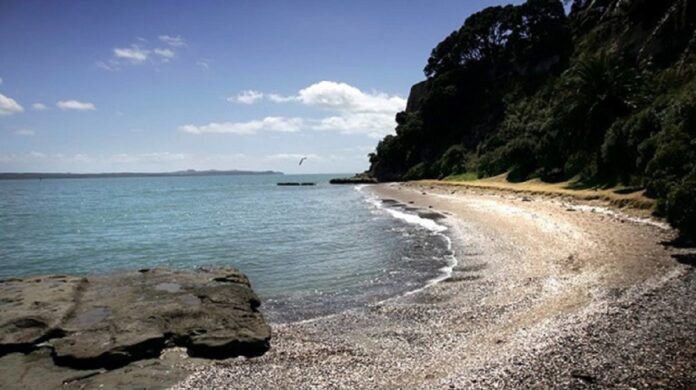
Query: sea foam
(426,223)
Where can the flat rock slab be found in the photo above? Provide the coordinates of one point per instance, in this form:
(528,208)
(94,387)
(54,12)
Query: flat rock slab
(36,370)
(33,308)
(110,321)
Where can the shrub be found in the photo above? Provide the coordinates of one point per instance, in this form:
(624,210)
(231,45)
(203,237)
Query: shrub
(417,172)
(680,205)
(452,162)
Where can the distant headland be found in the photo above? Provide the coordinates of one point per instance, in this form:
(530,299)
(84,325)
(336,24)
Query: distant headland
(188,172)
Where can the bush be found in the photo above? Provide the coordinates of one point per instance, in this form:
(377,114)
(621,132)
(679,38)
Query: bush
(417,172)
(521,157)
(492,163)
(452,162)
(680,205)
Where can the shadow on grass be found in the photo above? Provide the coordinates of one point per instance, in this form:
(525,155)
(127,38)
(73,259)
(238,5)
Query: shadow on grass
(577,183)
(593,185)
(467,176)
(628,190)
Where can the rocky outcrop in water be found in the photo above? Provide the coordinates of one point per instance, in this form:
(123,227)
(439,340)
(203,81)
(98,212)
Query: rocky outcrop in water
(360,178)
(110,321)
(296,183)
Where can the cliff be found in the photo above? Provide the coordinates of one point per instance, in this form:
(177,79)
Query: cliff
(603,95)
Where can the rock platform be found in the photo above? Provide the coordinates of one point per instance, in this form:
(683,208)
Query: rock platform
(107,322)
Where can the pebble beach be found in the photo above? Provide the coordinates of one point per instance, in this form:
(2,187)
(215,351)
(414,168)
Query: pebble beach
(547,292)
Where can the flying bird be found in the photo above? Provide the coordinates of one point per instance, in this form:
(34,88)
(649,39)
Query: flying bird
(302,160)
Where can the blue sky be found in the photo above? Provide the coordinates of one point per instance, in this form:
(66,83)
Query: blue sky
(104,86)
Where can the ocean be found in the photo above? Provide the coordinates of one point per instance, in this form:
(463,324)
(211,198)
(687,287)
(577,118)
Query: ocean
(308,251)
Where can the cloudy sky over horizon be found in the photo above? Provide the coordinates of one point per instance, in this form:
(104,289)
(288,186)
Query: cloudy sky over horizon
(154,86)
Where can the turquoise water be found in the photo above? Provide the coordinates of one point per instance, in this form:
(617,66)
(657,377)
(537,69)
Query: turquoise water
(307,250)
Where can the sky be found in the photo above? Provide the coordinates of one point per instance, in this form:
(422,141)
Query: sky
(154,86)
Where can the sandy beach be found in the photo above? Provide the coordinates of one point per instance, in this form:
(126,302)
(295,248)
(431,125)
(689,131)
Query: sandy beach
(547,292)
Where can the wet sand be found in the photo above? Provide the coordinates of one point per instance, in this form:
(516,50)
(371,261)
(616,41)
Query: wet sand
(546,293)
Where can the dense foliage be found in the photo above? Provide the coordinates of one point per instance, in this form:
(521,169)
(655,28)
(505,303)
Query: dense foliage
(605,95)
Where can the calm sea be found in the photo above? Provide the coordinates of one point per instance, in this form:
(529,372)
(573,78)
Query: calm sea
(308,251)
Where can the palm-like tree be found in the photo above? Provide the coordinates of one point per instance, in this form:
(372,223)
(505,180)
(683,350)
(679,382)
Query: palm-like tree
(603,88)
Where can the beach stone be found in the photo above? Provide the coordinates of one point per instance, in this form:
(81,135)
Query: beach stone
(109,321)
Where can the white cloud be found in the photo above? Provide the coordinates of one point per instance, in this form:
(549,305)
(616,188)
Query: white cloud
(335,96)
(79,157)
(359,149)
(143,52)
(39,107)
(9,106)
(75,105)
(271,123)
(358,112)
(111,65)
(374,125)
(246,97)
(176,41)
(46,158)
(285,160)
(346,98)
(231,157)
(25,132)
(166,54)
(281,99)
(119,158)
(355,112)
(160,157)
(134,53)
(294,156)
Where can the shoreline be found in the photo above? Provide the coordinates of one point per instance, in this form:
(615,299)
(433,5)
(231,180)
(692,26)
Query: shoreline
(438,229)
(537,286)
(434,225)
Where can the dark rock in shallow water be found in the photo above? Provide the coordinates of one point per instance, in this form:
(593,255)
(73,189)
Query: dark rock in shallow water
(431,215)
(112,320)
(294,183)
(357,179)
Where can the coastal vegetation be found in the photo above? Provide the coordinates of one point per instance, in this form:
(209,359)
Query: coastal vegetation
(601,93)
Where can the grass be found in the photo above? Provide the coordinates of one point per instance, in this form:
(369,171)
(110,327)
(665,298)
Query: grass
(621,197)
(467,176)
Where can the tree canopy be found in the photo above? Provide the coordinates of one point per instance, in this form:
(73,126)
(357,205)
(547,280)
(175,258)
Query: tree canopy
(604,95)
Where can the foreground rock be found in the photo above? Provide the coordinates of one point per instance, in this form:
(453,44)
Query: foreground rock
(107,322)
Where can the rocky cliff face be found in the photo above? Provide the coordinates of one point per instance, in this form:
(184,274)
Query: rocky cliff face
(417,95)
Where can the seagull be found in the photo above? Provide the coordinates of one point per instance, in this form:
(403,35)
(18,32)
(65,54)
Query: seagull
(302,160)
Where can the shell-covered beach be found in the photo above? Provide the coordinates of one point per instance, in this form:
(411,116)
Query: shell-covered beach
(546,292)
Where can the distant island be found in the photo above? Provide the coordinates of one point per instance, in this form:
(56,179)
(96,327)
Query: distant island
(188,172)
